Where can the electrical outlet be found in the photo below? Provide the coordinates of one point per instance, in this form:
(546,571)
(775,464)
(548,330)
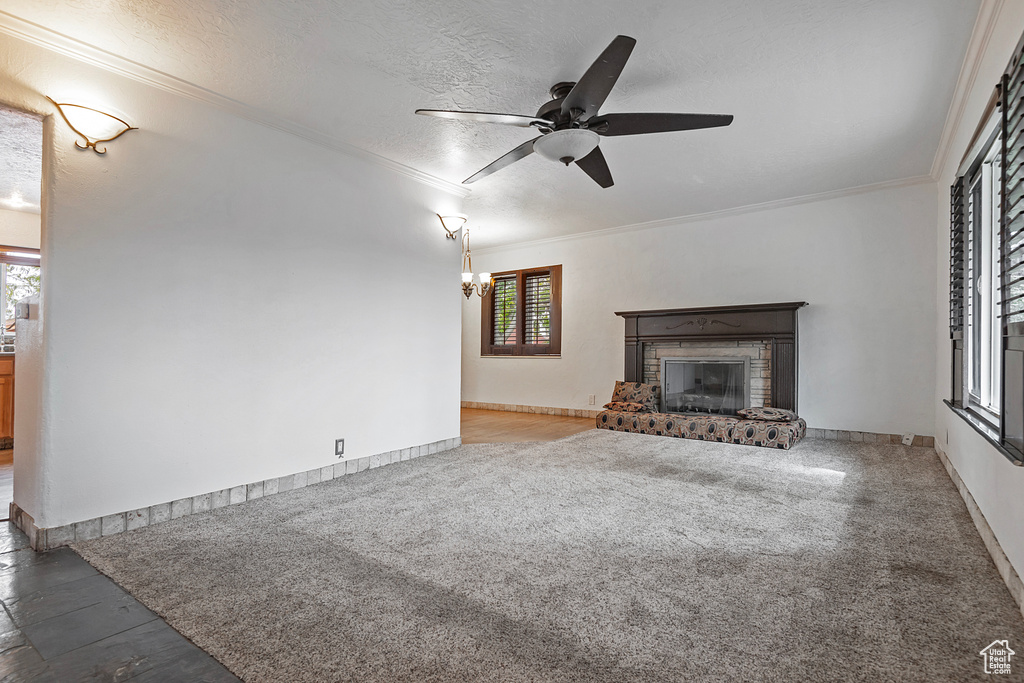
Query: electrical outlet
(592,400)
(908,439)
(339,447)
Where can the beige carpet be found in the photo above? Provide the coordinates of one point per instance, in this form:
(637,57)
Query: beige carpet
(601,557)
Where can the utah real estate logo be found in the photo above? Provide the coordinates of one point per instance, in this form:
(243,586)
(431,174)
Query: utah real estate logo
(997,657)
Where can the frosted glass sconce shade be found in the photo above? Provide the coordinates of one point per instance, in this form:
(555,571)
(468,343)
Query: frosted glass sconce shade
(92,125)
(452,223)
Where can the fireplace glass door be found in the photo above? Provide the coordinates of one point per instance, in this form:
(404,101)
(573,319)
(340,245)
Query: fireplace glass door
(718,386)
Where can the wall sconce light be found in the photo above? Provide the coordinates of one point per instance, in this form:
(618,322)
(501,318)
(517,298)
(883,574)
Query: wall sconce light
(468,285)
(93,125)
(452,223)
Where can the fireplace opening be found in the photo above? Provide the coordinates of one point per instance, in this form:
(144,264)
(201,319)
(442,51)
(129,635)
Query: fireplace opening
(719,386)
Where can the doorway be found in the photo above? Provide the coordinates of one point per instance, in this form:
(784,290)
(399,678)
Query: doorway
(21,155)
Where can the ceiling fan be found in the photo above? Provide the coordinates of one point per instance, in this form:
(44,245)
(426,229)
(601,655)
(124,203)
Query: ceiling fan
(570,125)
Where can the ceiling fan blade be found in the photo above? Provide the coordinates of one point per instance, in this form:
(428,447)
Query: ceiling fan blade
(597,168)
(638,124)
(485,117)
(520,152)
(592,89)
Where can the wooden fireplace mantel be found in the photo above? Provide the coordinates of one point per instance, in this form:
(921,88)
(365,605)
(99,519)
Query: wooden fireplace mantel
(772,323)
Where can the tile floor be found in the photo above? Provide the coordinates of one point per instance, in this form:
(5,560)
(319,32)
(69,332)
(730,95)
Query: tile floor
(64,621)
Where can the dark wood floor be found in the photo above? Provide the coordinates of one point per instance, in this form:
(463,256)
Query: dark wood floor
(493,426)
(64,621)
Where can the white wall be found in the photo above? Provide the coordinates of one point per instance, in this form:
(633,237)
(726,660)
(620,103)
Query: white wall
(29,476)
(996,484)
(222,301)
(19,229)
(864,262)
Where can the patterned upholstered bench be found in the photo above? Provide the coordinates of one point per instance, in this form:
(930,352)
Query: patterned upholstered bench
(633,405)
(724,429)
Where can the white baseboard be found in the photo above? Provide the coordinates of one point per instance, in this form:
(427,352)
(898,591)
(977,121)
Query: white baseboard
(1002,562)
(49,538)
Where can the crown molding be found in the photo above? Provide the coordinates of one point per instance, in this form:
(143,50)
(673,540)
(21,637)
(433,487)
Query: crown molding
(984,26)
(723,213)
(71,47)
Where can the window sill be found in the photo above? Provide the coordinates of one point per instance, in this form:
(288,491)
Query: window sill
(987,432)
(531,355)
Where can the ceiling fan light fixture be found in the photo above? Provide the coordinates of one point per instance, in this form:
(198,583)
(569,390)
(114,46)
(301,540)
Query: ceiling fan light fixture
(567,146)
(578,103)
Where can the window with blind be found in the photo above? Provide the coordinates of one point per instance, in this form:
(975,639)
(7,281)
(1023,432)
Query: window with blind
(983,288)
(19,278)
(986,277)
(521,315)
(503,326)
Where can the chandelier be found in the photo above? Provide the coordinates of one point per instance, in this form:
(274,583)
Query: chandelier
(468,286)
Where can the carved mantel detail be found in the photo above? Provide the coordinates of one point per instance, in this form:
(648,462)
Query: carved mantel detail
(772,323)
(701,322)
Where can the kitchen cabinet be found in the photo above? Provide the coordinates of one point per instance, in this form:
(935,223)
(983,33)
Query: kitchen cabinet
(6,401)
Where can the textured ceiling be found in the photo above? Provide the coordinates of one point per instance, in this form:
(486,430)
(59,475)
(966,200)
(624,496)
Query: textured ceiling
(21,161)
(826,95)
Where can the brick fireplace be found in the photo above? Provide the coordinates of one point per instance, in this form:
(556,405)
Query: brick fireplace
(767,333)
(759,352)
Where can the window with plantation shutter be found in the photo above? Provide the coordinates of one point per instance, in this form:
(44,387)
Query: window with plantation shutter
(503,327)
(957,273)
(986,284)
(537,309)
(1011,252)
(983,291)
(956,259)
(521,314)
(1013,199)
